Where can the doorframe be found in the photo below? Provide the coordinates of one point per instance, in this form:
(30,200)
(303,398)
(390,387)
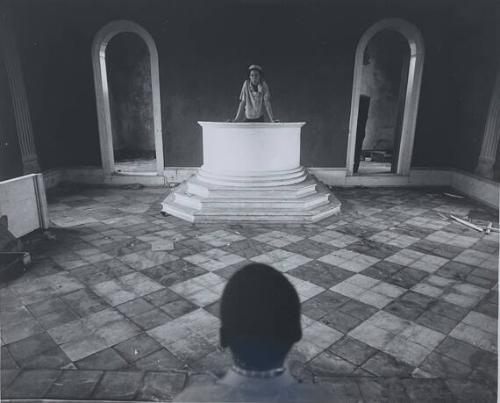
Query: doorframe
(99,45)
(414,81)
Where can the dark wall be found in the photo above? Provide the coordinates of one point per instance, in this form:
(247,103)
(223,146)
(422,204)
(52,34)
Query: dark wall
(130,92)
(306,48)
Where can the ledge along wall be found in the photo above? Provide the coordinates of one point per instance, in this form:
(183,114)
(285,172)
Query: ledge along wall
(307,50)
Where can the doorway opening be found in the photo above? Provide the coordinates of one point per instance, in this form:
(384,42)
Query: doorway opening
(386,88)
(383,88)
(128,100)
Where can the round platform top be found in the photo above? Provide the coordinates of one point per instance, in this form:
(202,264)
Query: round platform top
(251,124)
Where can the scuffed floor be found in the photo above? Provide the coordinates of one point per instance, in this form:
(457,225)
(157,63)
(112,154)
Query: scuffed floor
(396,300)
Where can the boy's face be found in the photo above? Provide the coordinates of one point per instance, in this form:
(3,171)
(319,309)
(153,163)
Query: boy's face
(255,77)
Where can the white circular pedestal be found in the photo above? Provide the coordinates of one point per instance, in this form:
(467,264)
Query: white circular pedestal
(251,172)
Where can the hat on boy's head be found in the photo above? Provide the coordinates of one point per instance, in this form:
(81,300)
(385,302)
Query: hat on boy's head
(255,67)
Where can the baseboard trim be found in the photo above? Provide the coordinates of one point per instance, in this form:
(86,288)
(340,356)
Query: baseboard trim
(96,176)
(417,177)
(52,178)
(329,176)
(476,187)
(430,177)
(179,174)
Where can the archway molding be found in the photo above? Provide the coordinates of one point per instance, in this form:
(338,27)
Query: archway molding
(99,45)
(416,64)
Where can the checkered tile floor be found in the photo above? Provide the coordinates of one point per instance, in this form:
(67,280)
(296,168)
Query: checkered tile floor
(123,304)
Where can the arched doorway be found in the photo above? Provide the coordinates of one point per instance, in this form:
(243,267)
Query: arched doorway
(116,147)
(409,96)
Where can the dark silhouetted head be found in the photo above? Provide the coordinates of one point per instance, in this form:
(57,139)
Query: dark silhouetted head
(260,317)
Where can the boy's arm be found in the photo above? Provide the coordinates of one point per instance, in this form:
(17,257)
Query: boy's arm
(241,106)
(269,110)
(241,110)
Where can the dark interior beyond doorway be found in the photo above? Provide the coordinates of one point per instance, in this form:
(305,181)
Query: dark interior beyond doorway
(131,103)
(380,116)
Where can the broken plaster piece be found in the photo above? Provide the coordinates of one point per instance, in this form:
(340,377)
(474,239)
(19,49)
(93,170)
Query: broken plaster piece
(161,245)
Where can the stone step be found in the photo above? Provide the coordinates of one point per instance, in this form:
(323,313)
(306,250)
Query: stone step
(254,202)
(253,181)
(253,175)
(270,215)
(183,212)
(304,202)
(197,187)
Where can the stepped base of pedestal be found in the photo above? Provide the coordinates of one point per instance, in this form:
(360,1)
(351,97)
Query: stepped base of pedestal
(199,201)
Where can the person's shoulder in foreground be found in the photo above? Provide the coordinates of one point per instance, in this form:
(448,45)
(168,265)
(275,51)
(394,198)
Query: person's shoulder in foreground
(260,322)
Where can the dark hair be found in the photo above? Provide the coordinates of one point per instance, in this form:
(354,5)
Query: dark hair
(260,317)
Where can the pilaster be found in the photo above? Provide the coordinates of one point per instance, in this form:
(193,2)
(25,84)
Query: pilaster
(10,58)
(491,135)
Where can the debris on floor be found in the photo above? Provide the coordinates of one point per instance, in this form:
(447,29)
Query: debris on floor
(467,223)
(480,225)
(161,245)
(442,216)
(133,186)
(452,195)
(49,235)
